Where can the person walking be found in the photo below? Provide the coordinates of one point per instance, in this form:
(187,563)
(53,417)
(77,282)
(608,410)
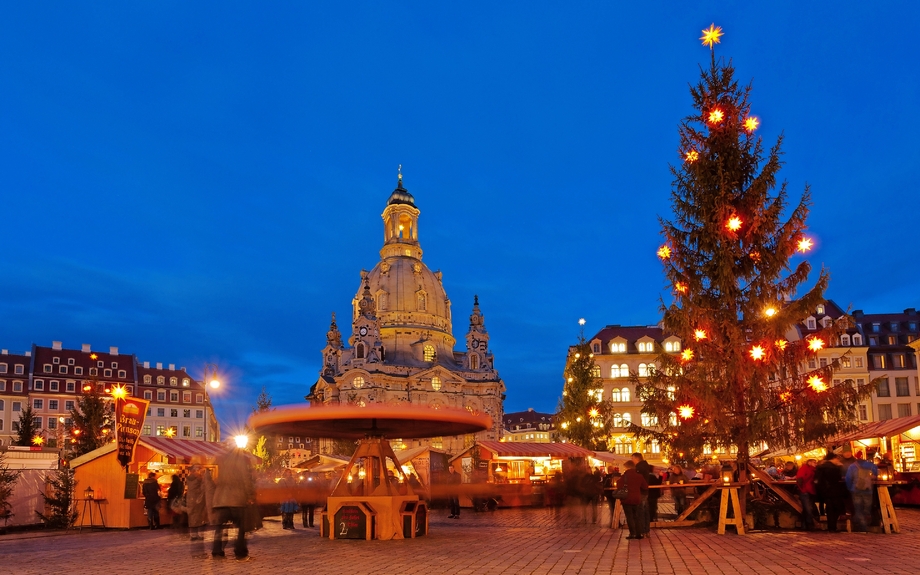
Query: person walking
(173,502)
(859,481)
(634,484)
(831,489)
(288,501)
(645,470)
(453,496)
(151,492)
(233,492)
(805,481)
(195,502)
(589,488)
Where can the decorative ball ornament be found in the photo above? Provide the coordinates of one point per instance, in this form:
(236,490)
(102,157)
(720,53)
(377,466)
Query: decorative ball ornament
(733,224)
(699,334)
(751,123)
(757,353)
(716,116)
(815,344)
(712,36)
(691,156)
(805,244)
(686,355)
(664,252)
(817,384)
(686,411)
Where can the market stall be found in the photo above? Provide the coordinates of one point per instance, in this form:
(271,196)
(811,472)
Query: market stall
(117,491)
(426,463)
(520,473)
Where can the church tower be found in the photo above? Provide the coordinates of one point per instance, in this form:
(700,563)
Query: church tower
(401,349)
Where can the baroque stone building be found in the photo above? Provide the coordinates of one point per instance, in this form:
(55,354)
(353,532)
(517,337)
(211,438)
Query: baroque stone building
(401,347)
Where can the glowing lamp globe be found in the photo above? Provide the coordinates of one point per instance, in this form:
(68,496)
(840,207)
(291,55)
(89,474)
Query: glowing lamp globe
(241,441)
(214,383)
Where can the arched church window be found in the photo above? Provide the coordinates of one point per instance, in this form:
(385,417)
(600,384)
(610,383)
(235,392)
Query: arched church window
(422,302)
(359,351)
(357,382)
(436,383)
(474,361)
(428,353)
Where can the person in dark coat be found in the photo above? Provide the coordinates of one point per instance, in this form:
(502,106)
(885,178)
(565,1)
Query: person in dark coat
(831,489)
(233,492)
(176,491)
(151,492)
(195,502)
(645,470)
(590,486)
(453,497)
(635,484)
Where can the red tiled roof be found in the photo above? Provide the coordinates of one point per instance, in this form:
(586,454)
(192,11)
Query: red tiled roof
(519,449)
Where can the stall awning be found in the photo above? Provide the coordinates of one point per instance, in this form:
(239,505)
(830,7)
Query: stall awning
(516,449)
(184,450)
(404,455)
(886,428)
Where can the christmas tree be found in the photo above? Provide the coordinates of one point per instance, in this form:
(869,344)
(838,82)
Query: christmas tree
(92,419)
(582,416)
(59,500)
(27,429)
(8,479)
(740,383)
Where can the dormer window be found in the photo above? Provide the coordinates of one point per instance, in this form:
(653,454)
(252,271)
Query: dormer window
(148,379)
(596,348)
(894,326)
(827,321)
(645,346)
(70,361)
(672,346)
(811,323)
(876,327)
(844,339)
(617,347)
(820,309)
(55,360)
(857,339)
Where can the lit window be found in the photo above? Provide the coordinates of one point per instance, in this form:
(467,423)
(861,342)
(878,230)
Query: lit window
(615,395)
(357,382)
(624,394)
(649,420)
(627,419)
(161,380)
(643,370)
(617,347)
(436,383)
(428,353)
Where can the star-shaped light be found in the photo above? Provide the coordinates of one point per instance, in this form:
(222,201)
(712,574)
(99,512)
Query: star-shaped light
(815,344)
(699,334)
(38,440)
(691,156)
(817,384)
(716,116)
(734,224)
(785,396)
(781,344)
(805,244)
(664,252)
(686,411)
(594,412)
(93,356)
(757,352)
(582,321)
(681,287)
(170,432)
(712,35)
(119,392)
(686,355)
(751,123)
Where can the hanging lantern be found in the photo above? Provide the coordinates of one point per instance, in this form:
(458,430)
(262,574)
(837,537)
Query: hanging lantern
(728,475)
(817,384)
(815,344)
(89,493)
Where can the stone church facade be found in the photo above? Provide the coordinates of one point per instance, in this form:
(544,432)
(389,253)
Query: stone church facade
(401,347)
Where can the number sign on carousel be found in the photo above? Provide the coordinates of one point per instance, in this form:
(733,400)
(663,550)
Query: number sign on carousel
(373,479)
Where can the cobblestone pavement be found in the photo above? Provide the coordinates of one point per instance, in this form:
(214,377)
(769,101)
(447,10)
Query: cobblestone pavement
(532,541)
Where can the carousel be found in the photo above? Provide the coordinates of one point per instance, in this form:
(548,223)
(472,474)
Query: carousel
(373,498)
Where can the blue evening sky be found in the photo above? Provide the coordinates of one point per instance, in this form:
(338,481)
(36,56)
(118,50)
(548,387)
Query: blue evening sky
(203,181)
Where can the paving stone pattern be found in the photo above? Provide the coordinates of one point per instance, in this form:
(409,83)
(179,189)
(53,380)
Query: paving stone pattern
(531,541)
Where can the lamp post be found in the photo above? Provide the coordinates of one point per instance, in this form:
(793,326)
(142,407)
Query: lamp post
(211,383)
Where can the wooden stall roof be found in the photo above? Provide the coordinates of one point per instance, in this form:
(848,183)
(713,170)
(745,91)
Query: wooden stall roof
(886,428)
(522,449)
(177,450)
(404,455)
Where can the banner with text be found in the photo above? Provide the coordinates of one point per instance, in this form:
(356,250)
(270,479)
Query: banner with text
(129,421)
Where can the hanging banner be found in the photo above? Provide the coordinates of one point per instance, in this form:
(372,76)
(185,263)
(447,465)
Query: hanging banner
(129,421)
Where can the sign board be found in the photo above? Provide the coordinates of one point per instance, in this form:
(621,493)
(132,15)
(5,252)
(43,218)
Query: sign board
(350,523)
(129,420)
(131,482)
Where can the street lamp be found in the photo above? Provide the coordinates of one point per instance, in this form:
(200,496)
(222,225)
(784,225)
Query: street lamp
(210,382)
(210,376)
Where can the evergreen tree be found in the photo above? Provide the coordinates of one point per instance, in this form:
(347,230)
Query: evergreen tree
(738,383)
(8,478)
(583,415)
(27,429)
(60,501)
(92,419)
